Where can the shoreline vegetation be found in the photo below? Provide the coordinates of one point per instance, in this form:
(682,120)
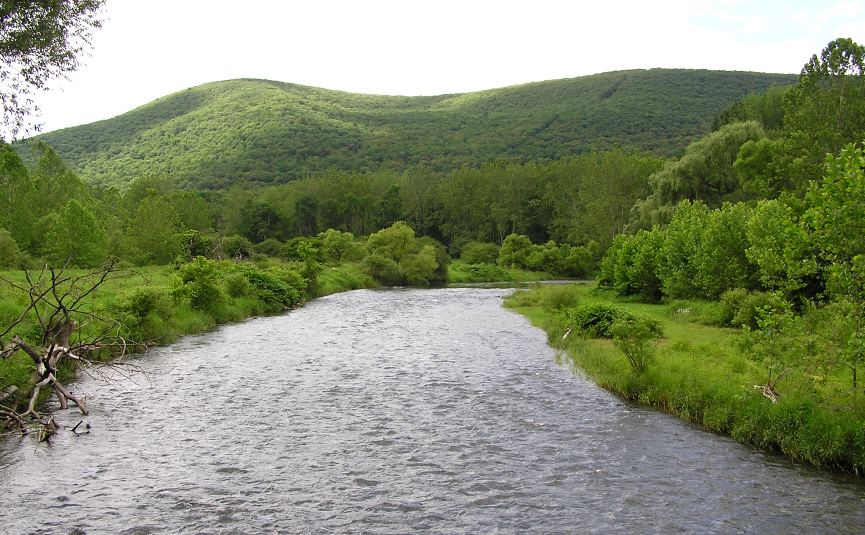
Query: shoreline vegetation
(156,305)
(700,372)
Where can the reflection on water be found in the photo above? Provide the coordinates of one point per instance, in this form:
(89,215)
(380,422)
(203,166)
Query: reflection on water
(391,412)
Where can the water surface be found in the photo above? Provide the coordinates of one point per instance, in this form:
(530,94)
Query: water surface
(394,412)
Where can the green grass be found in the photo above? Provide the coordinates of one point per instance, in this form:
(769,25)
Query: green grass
(700,375)
(265,132)
(341,278)
(462,273)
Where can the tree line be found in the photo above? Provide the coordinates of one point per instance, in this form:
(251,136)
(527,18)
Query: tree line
(581,201)
(767,217)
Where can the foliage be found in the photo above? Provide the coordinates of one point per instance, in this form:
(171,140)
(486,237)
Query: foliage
(10,255)
(766,107)
(39,41)
(836,206)
(777,344)
(631,265)
(337,246)
(479,253)
(198,282)
(744,308)
(825,111)
(395,257)
(597,320)
(269,247)
(267,132)
(238,247)
(75,236)
(280,288)
(633,336)
(781,248)
(705,172)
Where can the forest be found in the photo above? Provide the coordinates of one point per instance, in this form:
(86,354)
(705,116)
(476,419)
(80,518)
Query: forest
(257,132)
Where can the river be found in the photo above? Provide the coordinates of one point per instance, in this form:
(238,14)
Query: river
(395,411)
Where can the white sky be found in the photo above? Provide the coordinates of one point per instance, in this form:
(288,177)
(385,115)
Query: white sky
(150,48)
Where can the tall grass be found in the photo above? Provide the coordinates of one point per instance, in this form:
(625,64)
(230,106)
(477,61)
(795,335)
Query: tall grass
(701,375)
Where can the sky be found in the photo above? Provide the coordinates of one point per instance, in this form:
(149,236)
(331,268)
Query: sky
(150,48)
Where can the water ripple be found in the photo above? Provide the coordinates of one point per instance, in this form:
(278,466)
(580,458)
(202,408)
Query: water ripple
(393,412)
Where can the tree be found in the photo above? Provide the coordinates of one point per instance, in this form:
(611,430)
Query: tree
(39,40)
(781,248)
(336,244)
(705,173)
(396,257)
(825,110)
(74,236)
(9,253)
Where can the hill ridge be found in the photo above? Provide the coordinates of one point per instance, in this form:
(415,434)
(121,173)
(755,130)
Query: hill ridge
(256,131)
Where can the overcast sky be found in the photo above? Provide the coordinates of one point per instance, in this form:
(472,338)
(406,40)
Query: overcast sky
(150,48)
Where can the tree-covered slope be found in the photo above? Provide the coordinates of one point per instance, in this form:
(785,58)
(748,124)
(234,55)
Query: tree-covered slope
(257,131)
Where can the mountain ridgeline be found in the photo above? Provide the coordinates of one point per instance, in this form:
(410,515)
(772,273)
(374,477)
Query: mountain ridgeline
(258,132)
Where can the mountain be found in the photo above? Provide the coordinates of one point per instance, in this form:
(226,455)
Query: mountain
(262,132)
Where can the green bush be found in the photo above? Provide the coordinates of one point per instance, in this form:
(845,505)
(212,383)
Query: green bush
(480,273)
(383,269)
(479,253)
(198,281)
(238,247)
(741,308)
(143,301)
(634,336)
(597,320)
(269,247)
(237,285)
(274,287)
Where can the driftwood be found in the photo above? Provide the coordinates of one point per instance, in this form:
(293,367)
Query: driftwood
(57,302)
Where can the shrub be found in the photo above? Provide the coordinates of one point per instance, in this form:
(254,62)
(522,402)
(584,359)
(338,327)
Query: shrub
(597,320)
(274,287)
(145,300)
(237,285)
(479,273)
(479,253)
(634,336)
(741,308)
(269,247)
(515,251)
(199,282)
(383,269)
(236,247)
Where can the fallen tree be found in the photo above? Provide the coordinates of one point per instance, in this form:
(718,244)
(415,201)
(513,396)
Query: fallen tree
(63,328)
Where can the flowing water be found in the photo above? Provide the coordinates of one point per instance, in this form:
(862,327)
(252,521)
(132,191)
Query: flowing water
(394,412)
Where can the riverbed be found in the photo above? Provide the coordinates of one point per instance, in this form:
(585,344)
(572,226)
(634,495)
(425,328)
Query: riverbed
(395,411)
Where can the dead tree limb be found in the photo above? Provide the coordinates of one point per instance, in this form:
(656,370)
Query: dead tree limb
(58,300)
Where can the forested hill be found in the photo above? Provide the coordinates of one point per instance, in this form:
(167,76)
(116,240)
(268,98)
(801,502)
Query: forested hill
(261,132)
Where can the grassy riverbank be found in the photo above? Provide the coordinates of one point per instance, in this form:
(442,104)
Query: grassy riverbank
(700,374)
(155,305)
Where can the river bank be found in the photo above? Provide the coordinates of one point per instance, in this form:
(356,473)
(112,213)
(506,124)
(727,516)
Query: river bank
(156,305)
(701,375)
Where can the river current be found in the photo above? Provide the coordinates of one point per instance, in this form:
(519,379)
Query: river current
(395,411)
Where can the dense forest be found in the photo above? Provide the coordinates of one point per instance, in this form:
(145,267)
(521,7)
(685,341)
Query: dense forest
(258,132)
